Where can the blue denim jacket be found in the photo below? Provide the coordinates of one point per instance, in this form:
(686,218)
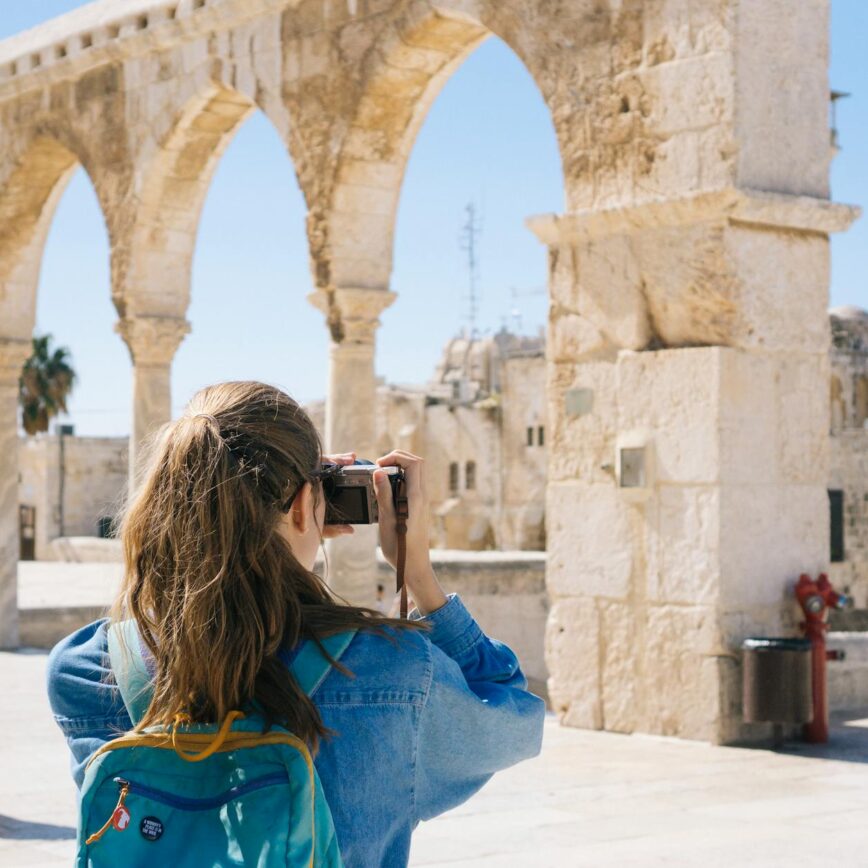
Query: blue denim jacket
(419,729)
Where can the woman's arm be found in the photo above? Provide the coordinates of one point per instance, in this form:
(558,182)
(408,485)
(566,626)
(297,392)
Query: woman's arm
(422,584)
(477,717)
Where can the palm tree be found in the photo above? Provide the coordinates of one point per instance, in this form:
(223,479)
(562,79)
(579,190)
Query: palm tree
(46,382)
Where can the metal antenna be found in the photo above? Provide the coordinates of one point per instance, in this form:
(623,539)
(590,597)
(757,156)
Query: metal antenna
(469,237)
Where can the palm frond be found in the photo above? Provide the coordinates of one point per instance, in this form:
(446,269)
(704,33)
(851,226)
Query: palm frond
(47,380)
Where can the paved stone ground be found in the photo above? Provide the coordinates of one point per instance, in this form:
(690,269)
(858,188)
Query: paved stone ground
(590,799)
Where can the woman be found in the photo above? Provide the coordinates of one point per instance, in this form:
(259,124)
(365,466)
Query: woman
(219,546)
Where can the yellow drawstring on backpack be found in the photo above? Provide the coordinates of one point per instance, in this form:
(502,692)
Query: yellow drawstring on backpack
(113,818)
(219,737)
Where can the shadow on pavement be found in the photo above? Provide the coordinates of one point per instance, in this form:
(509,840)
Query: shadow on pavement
(848,739)
(25,830)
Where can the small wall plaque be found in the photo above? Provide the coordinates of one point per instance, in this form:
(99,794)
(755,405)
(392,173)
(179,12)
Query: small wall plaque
(578,402)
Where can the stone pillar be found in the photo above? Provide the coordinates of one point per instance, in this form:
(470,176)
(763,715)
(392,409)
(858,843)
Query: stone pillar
(687,389)
(13,354)
(350,420)
(152,342)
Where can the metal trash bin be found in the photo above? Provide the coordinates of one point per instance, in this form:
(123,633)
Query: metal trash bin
(777,680)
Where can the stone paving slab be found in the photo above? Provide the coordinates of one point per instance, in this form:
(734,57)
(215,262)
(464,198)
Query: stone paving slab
(589,799)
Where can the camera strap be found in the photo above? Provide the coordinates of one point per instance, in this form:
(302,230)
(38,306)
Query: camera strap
(402,513)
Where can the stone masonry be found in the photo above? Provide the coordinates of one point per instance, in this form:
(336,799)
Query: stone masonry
(848,396)
(687,360)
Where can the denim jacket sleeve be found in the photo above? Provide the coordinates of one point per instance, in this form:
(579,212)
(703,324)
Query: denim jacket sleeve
(478,716)
(85,700)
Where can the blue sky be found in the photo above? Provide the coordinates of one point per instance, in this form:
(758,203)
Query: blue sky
(488,138)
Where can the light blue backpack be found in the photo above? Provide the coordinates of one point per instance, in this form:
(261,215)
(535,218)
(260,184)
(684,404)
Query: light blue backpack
(205,795)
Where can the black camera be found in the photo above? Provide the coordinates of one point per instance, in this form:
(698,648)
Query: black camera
(350,495)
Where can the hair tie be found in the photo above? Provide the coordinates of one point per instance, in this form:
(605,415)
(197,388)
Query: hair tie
(207,416)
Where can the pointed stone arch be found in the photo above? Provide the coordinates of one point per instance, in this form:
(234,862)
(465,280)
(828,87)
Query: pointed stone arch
(29,195)
(152,262)
(351,227)
(151,268)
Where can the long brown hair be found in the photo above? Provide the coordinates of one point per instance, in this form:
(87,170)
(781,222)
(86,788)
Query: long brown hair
(213,586)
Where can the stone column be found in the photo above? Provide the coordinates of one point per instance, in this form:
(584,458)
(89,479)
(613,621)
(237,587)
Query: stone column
(152,342)
(13,354)
(352,315)
(687,389)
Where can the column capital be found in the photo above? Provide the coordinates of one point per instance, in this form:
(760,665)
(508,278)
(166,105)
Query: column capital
(14,352)
(352,313)
(734,205)
(152,340)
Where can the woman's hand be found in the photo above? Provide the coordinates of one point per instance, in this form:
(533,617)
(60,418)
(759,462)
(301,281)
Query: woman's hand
(418,575)
(329,531)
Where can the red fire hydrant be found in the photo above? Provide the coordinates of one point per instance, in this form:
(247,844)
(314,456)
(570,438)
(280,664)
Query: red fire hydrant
(816,598)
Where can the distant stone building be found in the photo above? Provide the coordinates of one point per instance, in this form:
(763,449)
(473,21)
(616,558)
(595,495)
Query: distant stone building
(848,476)
(479,423)
(480,426)
(68,487)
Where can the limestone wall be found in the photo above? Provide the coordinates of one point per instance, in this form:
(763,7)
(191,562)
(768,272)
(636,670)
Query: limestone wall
(480,424)
(665,579)
(524,452)
(458,435)
(848,396)
(849,473)
(95,481)
(848,678)
(505,592)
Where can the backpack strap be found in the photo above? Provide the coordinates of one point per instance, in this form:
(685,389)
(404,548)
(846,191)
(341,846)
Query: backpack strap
(128,665)
(134,680)
(309,666)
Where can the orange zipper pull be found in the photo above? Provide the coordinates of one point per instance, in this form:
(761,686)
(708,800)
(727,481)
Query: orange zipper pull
(120,817)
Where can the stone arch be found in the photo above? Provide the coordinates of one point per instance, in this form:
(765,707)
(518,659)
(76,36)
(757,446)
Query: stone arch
(28,201)
(151,272)
(174,178)
(407,67)
(152,258)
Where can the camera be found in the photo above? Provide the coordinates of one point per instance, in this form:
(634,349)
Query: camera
(350,494)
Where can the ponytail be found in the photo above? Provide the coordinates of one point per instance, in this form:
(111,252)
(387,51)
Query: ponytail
(213,586)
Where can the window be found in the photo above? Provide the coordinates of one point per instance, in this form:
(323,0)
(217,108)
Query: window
(530,436)
(470,475)
(456,390)
(836,519)
(453,477)
(540,435)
